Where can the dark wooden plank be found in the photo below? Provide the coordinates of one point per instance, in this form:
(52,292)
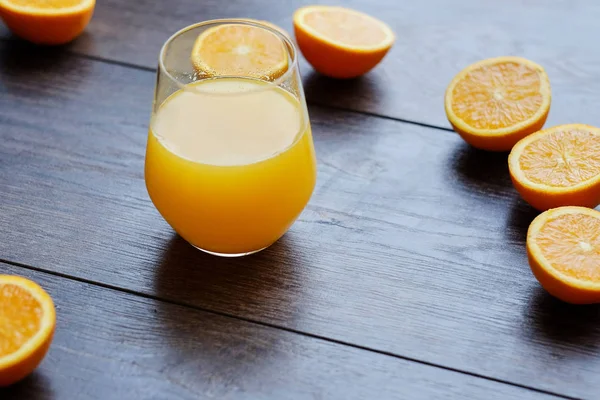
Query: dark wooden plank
(111,345)
(436,39)
(412,243)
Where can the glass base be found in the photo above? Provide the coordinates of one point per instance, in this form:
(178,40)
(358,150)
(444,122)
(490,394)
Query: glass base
(230,255)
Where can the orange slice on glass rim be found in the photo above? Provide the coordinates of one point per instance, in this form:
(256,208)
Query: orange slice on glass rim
(240,50)
(270,25)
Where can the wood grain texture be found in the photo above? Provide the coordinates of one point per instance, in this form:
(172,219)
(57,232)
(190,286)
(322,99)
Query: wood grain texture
(435,40)
(412,244)
(111,345)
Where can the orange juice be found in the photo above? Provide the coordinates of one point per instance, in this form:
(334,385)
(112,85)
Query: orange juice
(230,163)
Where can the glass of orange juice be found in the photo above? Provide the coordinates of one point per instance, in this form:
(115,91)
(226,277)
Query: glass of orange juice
(230,160)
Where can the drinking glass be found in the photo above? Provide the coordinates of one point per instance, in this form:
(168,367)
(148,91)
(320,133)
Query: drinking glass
(230,161)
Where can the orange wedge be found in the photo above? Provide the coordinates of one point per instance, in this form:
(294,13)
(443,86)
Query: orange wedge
(240,50)
(340,42)
(563,246)
(47,21)
(559,166)
(27,321)
(496,102)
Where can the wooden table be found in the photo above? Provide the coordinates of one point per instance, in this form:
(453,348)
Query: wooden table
(405,278)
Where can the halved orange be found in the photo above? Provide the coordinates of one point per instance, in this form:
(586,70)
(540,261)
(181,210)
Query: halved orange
(340,42)
(27,321)
(240,50)
(559,166)
(496,102)
(563,246)
(47,21)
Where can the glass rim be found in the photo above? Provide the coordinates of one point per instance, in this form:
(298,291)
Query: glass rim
(241,21)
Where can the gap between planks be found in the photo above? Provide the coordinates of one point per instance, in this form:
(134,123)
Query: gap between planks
(151,69)
(345,109)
